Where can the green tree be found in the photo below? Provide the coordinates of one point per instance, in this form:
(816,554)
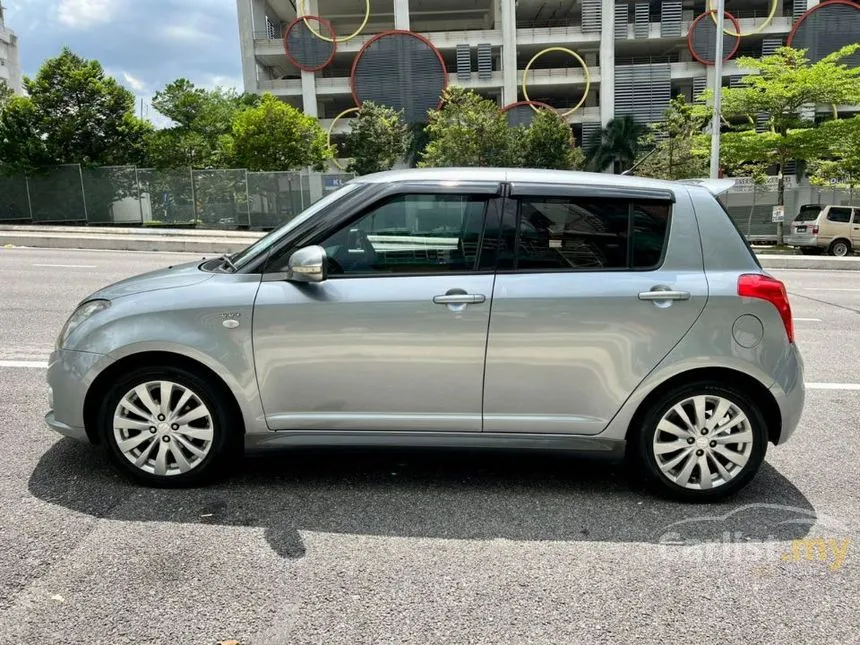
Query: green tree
(276,136)
(82,115)
(549,143)
(468,130)
(202,125)
(841,164)
(779,86)
(674,152)
(22,149)
(618,145)
(6,93)
(378,138)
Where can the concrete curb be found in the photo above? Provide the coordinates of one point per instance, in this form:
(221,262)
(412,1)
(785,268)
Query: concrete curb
(218,242)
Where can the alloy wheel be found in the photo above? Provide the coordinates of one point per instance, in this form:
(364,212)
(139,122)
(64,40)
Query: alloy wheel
(163,428)
(840,249)
(703,442)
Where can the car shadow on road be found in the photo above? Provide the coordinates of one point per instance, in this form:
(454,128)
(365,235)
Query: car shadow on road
(464,495)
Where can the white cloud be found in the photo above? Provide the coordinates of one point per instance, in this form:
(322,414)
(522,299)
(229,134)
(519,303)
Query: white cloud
(135,84)
(187,34)
(81,14)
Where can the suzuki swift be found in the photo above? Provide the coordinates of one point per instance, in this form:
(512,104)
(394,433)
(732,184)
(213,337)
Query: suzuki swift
(596,314)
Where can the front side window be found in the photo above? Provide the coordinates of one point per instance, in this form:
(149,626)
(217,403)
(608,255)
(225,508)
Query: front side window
(413,233)
(839,215)
(563,233)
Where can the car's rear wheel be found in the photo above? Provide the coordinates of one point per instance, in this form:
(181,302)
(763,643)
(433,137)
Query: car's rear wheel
(701,442)
(166,426)
(840,248)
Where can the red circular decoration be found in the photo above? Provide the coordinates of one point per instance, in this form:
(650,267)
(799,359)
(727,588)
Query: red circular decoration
(728,56)
(529,104)
(790,40)
(392,32)
(511,106)
(323,23)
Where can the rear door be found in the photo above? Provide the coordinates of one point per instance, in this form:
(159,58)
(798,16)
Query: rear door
(579,314)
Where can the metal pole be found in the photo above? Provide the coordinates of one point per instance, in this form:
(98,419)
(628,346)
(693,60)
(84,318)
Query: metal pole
(193,199)
(84,194)
(718,84)
(29,199)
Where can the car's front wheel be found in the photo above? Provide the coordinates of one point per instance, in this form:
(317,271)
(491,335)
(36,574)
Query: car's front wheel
(166,427)
(701,442)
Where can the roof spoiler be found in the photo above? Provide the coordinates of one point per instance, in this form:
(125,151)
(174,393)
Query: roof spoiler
(715,186)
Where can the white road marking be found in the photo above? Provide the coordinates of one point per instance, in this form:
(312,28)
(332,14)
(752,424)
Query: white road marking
(833,386)
(828,289)
(808,319)
(25,364)
(67,266)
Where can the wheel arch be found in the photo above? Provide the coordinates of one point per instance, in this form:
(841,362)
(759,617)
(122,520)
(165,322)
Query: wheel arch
(101,384)
(751,386)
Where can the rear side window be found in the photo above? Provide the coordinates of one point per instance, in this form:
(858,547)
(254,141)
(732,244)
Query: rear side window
(839,215)
(569,233)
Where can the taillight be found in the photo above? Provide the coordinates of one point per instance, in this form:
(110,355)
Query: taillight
(756,285)
(815,229)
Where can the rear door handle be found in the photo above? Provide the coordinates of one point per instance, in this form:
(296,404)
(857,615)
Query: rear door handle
(460,299)
(658,294)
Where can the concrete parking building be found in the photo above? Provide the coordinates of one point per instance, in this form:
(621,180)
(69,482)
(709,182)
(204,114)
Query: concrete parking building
(592,60)
(10,67)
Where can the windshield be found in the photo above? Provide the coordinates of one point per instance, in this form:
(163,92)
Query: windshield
(262,245)
(808,213)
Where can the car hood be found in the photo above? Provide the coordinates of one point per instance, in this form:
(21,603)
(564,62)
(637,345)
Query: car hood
(181,275)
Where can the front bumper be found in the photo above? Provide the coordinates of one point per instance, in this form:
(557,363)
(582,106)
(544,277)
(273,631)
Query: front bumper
(70,374)
(79,434)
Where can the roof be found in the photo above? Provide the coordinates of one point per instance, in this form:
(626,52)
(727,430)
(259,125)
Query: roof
(537,176)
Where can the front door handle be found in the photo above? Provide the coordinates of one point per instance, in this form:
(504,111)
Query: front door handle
(459,299)
(661,294)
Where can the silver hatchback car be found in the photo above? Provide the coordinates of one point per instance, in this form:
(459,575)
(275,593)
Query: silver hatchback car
(598,314)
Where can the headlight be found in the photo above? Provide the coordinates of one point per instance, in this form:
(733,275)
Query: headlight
(80,315)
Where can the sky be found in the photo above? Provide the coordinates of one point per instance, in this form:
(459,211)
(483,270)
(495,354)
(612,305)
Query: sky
(144,44)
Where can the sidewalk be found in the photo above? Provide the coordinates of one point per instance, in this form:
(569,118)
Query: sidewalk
(216,242)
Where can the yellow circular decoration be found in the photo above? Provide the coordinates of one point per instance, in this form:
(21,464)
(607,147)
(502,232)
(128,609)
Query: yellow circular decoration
(758,30)
(566,51)
(331,128)
(300,10)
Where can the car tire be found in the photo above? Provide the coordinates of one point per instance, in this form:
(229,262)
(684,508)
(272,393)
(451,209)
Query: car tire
(654,452)
(185,442)
(840,248)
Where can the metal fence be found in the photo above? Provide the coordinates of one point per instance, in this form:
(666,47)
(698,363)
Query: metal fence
(752,206)
(130,196)
(239,199)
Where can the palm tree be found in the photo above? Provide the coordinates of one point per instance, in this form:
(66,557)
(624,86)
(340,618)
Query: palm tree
(619,144)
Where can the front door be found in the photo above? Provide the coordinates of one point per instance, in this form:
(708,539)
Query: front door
(570,335)
(395,337)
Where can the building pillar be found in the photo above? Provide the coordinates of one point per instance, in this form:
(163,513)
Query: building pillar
(607,62)
(509,51)
(309,79)
(401,14)
(245,9)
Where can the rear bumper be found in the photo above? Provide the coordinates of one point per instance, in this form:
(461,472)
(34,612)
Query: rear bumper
(790,395)
(801,240)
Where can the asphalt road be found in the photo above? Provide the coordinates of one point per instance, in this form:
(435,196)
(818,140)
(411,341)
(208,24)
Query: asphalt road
(385,547)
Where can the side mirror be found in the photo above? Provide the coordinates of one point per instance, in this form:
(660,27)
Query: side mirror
(308,265)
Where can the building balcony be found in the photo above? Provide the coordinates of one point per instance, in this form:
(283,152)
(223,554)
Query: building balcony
(558,36)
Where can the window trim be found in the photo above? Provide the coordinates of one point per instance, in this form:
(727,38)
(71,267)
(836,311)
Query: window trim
(462,190)
(345,213)
(631,197)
